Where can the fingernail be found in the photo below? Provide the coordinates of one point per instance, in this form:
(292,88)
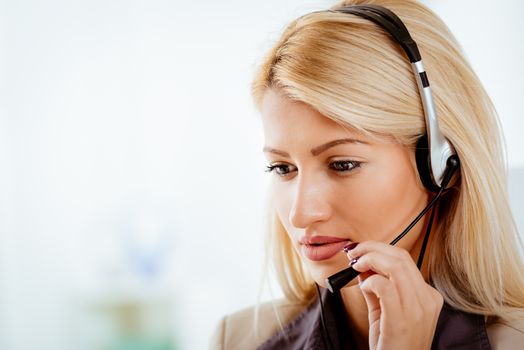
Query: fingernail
(353,262)
(350,246)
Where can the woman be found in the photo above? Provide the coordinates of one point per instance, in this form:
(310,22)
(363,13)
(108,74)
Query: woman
(345,119)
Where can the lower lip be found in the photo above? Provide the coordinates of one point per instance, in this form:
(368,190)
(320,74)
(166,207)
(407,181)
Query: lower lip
(324,251)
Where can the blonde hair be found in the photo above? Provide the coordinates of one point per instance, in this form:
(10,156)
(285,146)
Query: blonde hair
(340,64)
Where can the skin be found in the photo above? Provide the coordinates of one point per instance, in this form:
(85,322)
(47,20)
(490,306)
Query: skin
(365,191)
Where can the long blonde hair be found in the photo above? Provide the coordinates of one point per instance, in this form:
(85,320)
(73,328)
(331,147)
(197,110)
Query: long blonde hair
(349,70)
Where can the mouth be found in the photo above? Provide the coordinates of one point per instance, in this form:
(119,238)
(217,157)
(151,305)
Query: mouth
(318,248)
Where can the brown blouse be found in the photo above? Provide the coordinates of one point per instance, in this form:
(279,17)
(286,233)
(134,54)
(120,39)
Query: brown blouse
(455,329)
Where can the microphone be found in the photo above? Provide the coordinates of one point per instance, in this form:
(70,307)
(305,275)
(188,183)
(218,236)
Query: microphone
(340,279)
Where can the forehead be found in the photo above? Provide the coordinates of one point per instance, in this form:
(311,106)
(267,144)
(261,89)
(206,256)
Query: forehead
(284,118)
(279,111)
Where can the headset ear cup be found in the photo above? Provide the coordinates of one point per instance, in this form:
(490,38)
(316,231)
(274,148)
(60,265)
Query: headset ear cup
(424,170)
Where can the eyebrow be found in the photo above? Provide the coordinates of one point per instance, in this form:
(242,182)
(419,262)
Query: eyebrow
(276,151)
(319,149)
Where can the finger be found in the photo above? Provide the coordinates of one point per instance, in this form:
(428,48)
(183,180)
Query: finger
(381,247)
(413,280)
(383,302)
(395,271)
(373,306)
(372,300)
(418,299)
(354,254)
(397,253)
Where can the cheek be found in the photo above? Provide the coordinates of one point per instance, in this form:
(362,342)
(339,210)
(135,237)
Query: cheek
(385,188)
(382,202)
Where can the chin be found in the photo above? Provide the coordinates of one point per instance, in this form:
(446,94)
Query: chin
(321,270)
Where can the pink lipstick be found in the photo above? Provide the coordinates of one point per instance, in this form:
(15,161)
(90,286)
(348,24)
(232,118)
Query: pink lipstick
(318,248)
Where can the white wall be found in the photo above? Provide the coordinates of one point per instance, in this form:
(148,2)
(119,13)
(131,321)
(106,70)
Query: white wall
(130,163)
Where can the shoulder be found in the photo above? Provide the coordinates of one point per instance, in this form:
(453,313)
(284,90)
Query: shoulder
(506,334)
(250,327)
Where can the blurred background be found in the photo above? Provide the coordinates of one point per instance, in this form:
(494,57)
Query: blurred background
(131,172)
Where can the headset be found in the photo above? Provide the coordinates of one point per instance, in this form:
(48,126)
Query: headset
(436,158)
(434,152)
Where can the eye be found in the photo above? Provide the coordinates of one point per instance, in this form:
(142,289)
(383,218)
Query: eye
(344,165)
(281,169)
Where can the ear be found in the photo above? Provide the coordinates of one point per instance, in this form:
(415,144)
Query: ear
(423,165)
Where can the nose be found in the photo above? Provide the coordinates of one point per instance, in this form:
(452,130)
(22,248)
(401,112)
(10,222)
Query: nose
(310,204)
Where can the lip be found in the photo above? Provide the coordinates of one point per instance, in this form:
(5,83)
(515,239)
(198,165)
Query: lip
(318,248)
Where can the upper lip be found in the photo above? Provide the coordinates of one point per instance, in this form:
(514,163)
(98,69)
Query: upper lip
(321,239)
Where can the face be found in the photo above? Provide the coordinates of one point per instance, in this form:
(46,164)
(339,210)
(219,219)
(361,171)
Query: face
(332,185)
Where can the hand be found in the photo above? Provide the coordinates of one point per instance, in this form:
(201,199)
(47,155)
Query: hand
(402,308)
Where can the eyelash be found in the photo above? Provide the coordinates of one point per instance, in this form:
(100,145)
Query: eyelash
(278,167)
(354,165)
(340,166)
